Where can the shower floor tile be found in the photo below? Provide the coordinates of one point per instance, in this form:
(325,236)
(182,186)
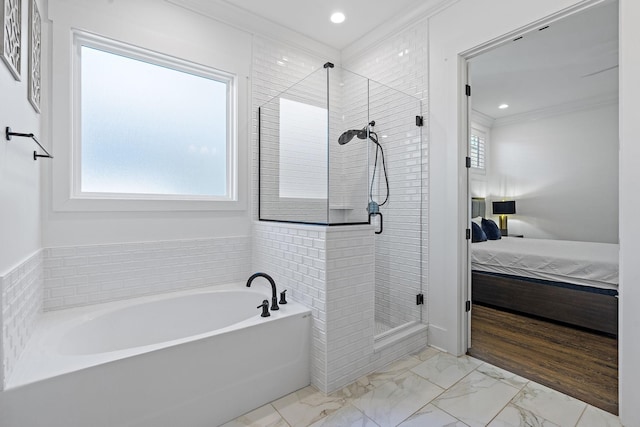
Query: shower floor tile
(430,388)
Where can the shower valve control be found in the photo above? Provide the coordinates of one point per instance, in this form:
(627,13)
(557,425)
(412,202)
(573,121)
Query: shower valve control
(283,299)
(265,308)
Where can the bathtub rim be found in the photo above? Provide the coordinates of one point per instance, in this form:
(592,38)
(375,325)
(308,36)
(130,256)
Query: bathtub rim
(40,360)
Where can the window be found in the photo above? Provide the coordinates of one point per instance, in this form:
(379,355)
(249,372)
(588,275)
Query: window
(150,127)
(477,143)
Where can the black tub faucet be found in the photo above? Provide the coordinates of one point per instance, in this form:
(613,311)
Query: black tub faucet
(274,298)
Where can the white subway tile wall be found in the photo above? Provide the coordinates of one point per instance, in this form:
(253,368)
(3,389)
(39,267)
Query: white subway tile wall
(276,161)
(350,328)
(349,303)
(330,269)
(277,67)
(349,95)
(295,256)
(347,103)
(400,62)
(21,297)
(337,282)
(82,275)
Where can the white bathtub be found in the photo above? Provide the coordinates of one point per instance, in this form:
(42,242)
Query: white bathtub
(194,358)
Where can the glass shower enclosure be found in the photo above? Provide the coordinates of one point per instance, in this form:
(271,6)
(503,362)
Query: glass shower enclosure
(339,149)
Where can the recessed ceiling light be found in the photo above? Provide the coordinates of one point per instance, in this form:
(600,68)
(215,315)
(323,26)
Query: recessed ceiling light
(503,106)
(337,18)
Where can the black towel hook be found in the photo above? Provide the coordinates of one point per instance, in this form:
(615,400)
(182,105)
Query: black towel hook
(8,134)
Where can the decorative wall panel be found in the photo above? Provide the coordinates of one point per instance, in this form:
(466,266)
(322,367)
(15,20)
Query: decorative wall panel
(11,29)
(35,53)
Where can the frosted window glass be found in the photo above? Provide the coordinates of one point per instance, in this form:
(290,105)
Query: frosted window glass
(149,129)
(303,150)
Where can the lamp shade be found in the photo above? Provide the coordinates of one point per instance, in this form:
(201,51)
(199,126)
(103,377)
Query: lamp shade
(504,208)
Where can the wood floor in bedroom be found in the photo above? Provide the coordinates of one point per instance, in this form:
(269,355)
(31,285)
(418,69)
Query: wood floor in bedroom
(581,364)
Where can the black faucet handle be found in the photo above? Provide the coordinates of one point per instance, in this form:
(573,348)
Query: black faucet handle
(283,299)
(265,308)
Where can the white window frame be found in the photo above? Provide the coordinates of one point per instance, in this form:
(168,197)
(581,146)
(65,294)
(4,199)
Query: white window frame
(69,197)
(484,133)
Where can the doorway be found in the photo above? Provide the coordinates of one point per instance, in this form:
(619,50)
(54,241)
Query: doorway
(534,97)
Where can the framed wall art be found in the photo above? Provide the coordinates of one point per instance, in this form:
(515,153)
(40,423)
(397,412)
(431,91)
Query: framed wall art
(10,38)
(35,53)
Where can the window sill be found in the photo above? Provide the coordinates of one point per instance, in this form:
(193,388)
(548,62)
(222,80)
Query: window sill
(137,205)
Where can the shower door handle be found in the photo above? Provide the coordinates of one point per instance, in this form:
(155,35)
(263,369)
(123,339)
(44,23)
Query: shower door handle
(381,221)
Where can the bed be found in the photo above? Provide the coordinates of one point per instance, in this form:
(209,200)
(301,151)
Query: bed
(565,281)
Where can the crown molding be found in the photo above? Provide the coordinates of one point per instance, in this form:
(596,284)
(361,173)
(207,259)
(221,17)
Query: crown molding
(238,18)
(394,25)
(226,13)
(482,119)
(555,110)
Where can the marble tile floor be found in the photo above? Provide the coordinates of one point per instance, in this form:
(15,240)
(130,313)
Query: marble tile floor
(431,389)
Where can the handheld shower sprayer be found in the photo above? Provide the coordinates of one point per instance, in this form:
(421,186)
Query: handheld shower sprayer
(367,131)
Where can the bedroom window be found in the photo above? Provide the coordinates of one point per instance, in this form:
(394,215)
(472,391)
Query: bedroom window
(477,143)
(150,126)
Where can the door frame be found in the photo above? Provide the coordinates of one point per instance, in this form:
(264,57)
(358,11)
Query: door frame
(464,128)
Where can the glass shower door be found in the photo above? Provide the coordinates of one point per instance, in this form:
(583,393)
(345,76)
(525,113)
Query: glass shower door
(339,149)
(397,168)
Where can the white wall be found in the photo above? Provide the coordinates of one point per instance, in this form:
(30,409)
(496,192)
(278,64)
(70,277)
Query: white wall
(629,347)
(19,173)
(167,29)
(20,257)
(562,171)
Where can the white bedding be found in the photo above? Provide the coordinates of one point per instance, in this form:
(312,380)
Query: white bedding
(580,263)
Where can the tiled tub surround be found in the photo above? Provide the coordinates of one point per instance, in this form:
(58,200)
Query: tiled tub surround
(431,389)
(97,365)
(63,277)
(330,270)
(82,275)
(21,298)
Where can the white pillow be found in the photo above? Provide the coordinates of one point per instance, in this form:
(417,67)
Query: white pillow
(477,220)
